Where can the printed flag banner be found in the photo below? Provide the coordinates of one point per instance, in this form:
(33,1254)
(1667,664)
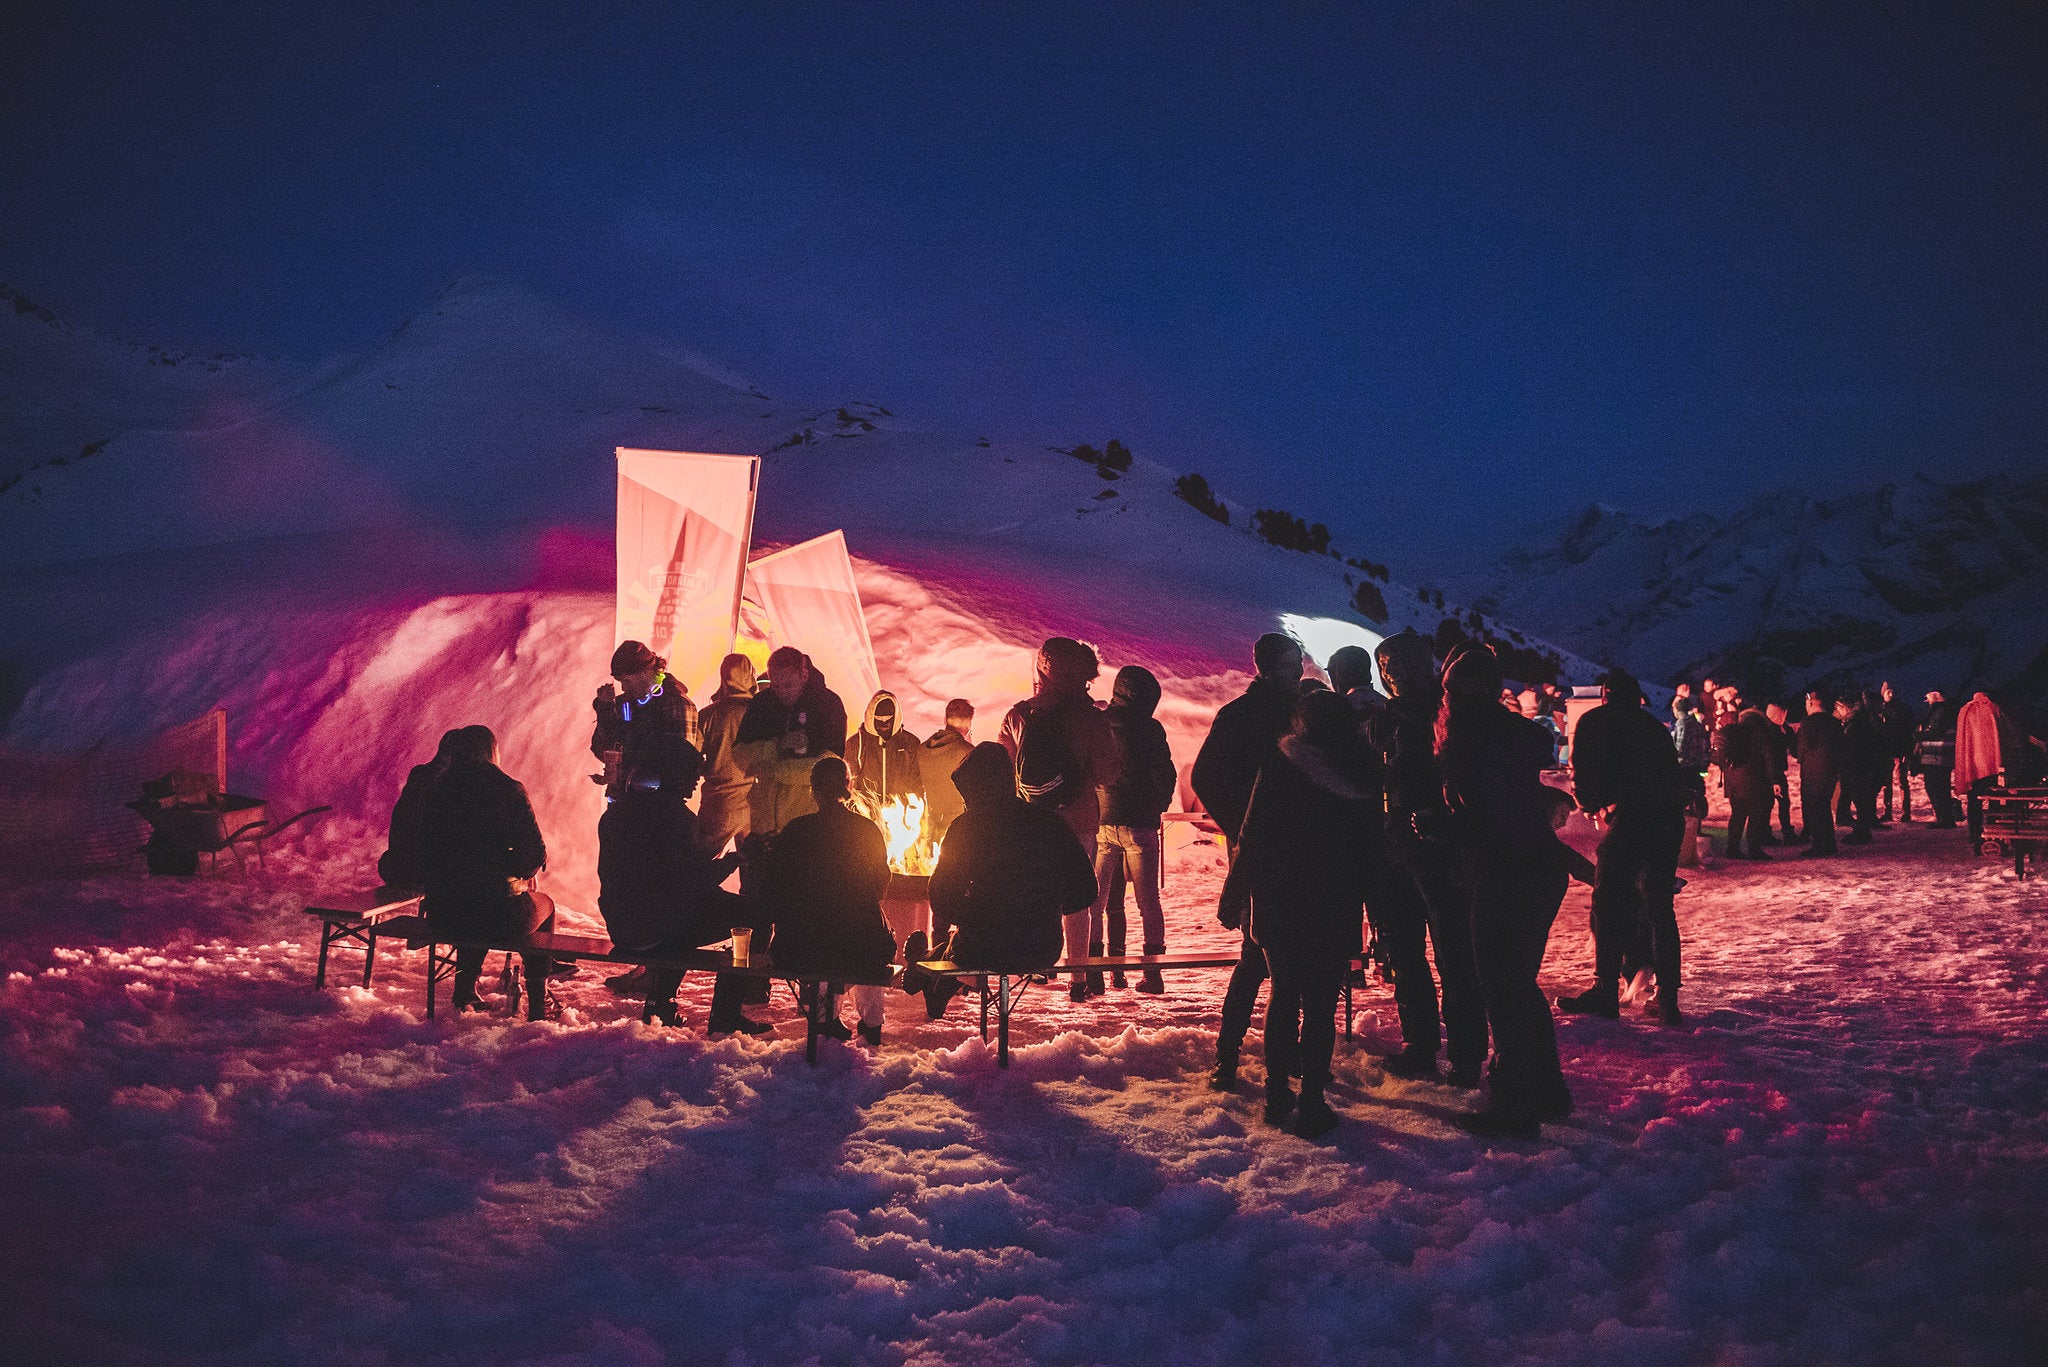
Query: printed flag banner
(685,523)
(805,597)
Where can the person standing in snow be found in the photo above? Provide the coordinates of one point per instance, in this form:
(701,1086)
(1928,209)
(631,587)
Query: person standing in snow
(1894,718)
(402,865)
(658,887)
(482,851)
(722,811)
(642,697)
(1134,791)
(1778,740)
(1934,757)
(1498,819)
(823,889)
(1009,876)
(1423,900)
(782,736)
(882,757)
(1755,776)
(1822,751)
(937,758)
(1058,741)
(1310,840)
(1626,772)
(1863,764)
(1240,740)
(1990,753)
(1691,737)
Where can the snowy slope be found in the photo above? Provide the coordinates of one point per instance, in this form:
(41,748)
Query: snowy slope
(1932,585)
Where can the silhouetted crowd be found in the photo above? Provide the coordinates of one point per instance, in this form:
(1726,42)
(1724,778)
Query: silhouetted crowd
(1413,826)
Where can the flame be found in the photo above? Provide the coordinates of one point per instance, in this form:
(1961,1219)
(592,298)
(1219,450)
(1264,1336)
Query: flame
(904,831)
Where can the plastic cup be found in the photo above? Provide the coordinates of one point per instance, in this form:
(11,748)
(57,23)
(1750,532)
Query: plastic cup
(742,946)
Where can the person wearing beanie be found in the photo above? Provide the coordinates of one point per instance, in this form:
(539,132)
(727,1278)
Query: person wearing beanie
(1626,772)
(1008,876)
(722,816)
(1497,819)
(1240,740)
(1134,791)
(642,697)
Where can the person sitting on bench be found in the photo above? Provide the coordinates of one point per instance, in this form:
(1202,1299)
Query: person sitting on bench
(1008,876)
(402,863)
(481,852)
(823,889)
(658,891)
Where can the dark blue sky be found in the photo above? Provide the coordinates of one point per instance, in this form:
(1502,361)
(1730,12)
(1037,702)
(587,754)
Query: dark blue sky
(1422,270)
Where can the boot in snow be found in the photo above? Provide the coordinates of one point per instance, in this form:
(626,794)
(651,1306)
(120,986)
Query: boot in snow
(1594,1001)
(1150,982)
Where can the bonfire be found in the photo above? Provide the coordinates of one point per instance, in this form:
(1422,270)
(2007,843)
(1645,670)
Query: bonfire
(905,830)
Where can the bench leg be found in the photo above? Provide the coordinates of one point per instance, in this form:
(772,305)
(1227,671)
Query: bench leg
(982,981)
(326,939)
(813,1010)
(433,976)
(369,954)
(1347,1006)
(1003,1020)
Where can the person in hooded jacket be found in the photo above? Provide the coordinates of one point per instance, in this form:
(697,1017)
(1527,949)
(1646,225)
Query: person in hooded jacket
(1056,738)
(1779,738)
(1625,769)
(1226,768)
(1135,789)
(1009,875)
(481,850)
(1755,775)
(643,697)
(657,887)
(1934,759)
(883,757)
(1498,818)
(823,889)
(1310,837)
(1423,899)
(937,758)
(1990,753)
(1821,751)
(402,865)
(1863,766)
(785,732)
(722,815)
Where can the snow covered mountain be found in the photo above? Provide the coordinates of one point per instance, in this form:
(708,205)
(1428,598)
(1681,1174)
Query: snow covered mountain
(1931,585)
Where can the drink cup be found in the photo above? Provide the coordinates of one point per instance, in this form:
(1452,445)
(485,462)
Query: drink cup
(742,946)
(611,766)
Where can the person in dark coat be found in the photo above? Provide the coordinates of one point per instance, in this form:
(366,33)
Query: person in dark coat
(937,758)
(403,863)
(658,889)
(1780,739)
(1309,838)
(642,697)
(722,810)
(1008,877)
(1625,770)
(882,756)
(1863,766)
(1056,738)
(823,889)
(482,850)
(785,732)
(1755,777)
(1135,789)
(1239,742)
(1894,718)
(1498,819)
(1934,759)
(1821,751)
(1424,899)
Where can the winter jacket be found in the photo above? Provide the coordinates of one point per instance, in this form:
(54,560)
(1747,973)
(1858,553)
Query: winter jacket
(667,710)
(1493,763)
(1894,721)
(1404,734)
(1084,737)
(403,863)
(824,889)
(1751,766)
(1693,741)
(1822,749)
(477,833)
(937,758)
(1139,782)
(1240,740)
(884,767)
(1309,833)
(782,783)
(1934,743)
(1621,757)
(655,882)
(1009,874)
(1867,755)
(719,726)
(1777,741)
(1986,742)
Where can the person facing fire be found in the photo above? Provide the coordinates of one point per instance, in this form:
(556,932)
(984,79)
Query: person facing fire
(642,697)
(785,732)
(883,758)
(1136,788)
(1056,737)
(722,812)
(937,758)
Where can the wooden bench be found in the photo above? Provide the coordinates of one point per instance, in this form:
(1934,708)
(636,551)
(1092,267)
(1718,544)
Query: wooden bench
(1009,986)
(353,918)
(2016,821)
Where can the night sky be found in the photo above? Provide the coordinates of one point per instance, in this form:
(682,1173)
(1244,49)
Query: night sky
(1424,271)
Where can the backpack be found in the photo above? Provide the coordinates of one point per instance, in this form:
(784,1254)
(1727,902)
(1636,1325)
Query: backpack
(1048,772)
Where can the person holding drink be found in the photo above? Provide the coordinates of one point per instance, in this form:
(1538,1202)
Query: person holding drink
(783,735)
(642,699)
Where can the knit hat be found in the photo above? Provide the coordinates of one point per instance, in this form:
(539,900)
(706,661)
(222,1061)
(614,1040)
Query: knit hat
(1269,650)
(633,658)
(986,775)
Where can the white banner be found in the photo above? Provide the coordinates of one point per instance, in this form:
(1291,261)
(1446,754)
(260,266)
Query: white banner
(805,597)
(685,523)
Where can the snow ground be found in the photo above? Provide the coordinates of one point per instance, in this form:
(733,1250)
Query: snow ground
(1839,1160)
